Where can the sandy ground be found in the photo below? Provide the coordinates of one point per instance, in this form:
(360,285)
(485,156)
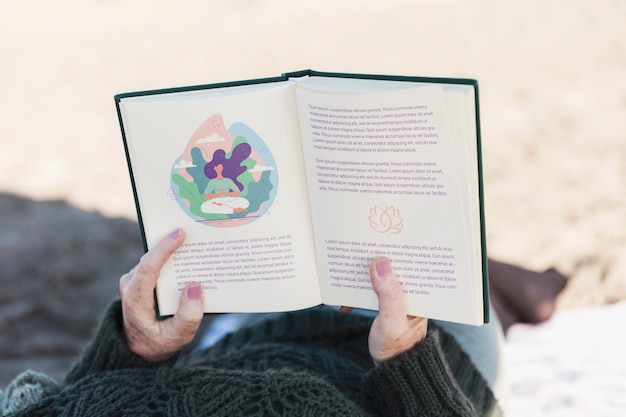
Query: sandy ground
(552,87)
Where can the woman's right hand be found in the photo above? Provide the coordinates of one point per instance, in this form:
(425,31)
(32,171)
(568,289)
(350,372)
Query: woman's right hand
(393,331)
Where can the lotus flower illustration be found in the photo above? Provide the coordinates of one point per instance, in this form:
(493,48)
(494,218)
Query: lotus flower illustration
(385,219)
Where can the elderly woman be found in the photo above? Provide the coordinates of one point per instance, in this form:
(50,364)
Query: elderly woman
(319,361)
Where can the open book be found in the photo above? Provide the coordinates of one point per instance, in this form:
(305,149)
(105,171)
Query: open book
(288,187)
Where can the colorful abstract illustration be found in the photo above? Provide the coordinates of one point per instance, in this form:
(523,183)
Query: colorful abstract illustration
(385,219)
(224,177)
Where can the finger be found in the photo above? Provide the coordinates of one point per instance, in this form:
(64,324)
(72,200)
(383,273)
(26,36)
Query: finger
(125,279)
(185,323)
(345,309)
(142,282)
(389,291)
(137,287)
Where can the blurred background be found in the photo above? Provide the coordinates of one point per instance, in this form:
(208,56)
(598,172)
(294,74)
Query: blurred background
(552,77)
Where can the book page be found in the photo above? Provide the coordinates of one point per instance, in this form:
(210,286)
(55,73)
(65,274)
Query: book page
(226,166)
(387,177)
(461,109)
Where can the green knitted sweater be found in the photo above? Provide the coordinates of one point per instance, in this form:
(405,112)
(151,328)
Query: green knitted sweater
(307,363)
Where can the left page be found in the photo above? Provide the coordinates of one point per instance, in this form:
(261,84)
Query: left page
(225,165)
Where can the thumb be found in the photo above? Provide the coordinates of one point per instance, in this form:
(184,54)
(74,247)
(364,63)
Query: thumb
(388,289)
(392,332)
(190,312)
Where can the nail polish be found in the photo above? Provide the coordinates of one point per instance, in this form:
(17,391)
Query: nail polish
(383,268)
(194,292)
(176,233)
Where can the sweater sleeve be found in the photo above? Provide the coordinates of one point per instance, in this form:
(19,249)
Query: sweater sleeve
(108,349)
(421,382)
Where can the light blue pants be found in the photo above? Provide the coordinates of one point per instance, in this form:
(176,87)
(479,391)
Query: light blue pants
(485,347)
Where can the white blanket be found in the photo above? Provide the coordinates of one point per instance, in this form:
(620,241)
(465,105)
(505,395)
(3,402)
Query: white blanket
(573,365)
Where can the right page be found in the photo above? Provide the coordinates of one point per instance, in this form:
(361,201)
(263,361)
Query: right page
(392,170)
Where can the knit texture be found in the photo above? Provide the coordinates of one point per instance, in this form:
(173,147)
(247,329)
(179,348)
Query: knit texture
(308,363)
(27,388)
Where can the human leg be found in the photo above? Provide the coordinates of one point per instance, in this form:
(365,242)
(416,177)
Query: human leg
(521,295)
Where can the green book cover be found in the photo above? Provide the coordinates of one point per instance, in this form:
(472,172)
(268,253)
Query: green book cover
(288,186)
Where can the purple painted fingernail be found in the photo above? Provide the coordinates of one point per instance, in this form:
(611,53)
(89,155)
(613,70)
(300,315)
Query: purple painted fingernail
(383,268)
(176,233)
(194,292)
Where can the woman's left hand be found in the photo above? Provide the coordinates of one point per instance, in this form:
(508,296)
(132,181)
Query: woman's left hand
(146,336)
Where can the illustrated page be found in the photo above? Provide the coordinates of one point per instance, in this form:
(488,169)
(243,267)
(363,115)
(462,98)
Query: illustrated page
(226,166)
(386,177)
